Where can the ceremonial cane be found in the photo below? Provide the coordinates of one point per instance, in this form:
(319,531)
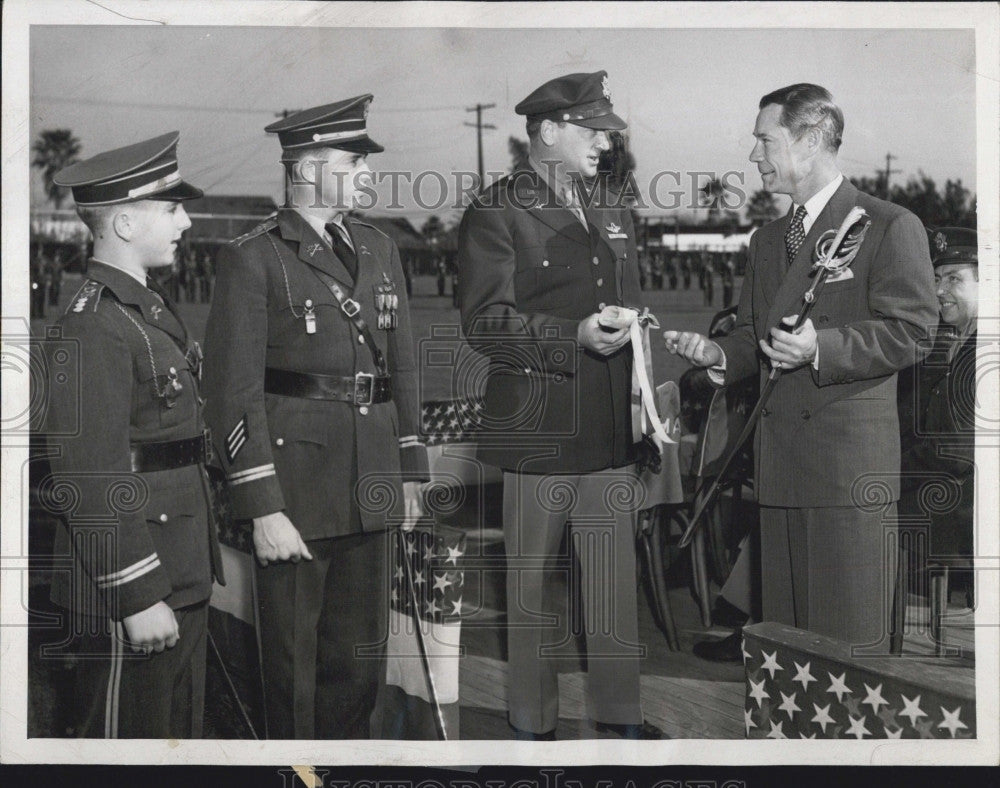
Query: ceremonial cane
(835,251)
(424,659)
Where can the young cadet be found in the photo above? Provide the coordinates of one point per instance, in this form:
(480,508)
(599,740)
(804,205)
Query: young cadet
(128,474)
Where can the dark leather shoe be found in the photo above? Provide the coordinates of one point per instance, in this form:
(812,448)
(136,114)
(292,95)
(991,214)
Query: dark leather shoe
(520,735)
(729,649)
(645,731)
(726,614)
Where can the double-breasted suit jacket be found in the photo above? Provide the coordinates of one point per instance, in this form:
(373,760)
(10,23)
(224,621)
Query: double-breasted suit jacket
(825,430)
(152,537)
(331,466)
(529,273)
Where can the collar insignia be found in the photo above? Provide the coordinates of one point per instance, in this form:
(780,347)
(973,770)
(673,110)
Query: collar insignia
(155,309)
(311,250)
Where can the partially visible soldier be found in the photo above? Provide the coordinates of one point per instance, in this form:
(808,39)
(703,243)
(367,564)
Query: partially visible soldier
(312,396)
(131,446)
(54,271)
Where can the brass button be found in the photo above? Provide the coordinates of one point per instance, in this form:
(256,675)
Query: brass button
(596,260)
(279,442)
(600,306)
(545,263)
(361,339)
(765,412)
(600,282)
(363,410)
(163,517)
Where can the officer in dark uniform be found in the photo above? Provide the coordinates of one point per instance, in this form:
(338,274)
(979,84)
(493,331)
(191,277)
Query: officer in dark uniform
(312,397)
(128,474)
(541,254)
(937,408)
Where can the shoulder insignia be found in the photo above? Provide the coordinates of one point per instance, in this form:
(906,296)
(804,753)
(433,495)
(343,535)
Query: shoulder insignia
(88,295)
(264,227)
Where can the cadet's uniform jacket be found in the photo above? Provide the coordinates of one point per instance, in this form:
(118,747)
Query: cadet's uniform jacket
(137,537)
(825,433)
(529,273)
(306,457)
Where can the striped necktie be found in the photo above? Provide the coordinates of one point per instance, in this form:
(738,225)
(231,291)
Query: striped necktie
(795,234)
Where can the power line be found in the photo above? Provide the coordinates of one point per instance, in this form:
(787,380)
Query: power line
(888,159)
(201,108)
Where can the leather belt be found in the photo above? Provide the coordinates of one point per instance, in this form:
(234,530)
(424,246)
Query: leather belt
(360,389)
(167,455)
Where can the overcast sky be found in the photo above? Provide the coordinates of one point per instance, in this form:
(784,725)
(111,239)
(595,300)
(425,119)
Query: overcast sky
(690,96)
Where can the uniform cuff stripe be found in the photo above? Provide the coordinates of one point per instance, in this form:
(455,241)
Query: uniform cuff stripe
(409,440)
(134,572)
(251,474)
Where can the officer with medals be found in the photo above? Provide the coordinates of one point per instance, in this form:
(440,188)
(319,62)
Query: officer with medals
(544,256)
(312,396)
(129,450)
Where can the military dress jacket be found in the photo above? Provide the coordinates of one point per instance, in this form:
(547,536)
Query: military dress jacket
(135,538)
(331,466)
(529,272)
(938,435)
(830,436)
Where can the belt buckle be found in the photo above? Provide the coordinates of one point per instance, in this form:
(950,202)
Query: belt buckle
(363,381)
(206,436)
(350,307)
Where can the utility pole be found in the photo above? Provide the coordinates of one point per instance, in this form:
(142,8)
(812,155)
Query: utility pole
(888,160)
(479,126)
(285,113)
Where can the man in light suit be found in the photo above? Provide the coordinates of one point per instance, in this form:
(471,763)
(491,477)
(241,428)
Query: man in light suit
(541,255)
(830,430)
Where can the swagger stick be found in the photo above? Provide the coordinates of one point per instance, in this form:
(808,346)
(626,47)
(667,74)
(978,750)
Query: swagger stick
(424,658)
(834,252)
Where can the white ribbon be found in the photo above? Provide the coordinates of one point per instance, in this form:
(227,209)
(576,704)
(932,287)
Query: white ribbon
(637,330)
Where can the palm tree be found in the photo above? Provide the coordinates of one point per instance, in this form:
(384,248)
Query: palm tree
(713,197)
(761,207)
(54,149)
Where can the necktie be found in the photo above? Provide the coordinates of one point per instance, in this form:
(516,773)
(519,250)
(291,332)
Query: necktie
(573,204)
(795,234)
(342,248)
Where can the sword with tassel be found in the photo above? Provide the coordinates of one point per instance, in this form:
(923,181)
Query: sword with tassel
(835,251)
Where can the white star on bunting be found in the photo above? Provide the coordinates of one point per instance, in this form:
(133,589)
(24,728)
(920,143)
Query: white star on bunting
(788,704)
(896,734)
(748,720)
(771,662)
(453,555)
(911,709)
(838,686)
(802,674)
(776,732)
(441,582)
(874,697)
(822,717)
(951,720)
(757,692)
(858,729)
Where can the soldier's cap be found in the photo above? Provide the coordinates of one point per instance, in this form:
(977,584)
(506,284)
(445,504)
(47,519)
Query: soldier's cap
(147,170)
(581,99)
(953,246)
(342,125)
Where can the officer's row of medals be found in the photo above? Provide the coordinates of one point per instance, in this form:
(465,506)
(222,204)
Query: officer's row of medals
(386,306)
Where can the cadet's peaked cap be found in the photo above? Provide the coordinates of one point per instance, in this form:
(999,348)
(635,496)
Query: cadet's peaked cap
(581,99)
(144,171)
(953,246)
(338,125)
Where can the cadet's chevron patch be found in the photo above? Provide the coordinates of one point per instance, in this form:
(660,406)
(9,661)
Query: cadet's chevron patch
(236,439)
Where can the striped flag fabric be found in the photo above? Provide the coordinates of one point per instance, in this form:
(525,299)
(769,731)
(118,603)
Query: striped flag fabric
(425,625)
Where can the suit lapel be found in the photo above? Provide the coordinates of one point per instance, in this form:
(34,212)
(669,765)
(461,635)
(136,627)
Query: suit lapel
(798,278)
(531,192)
(312,250)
